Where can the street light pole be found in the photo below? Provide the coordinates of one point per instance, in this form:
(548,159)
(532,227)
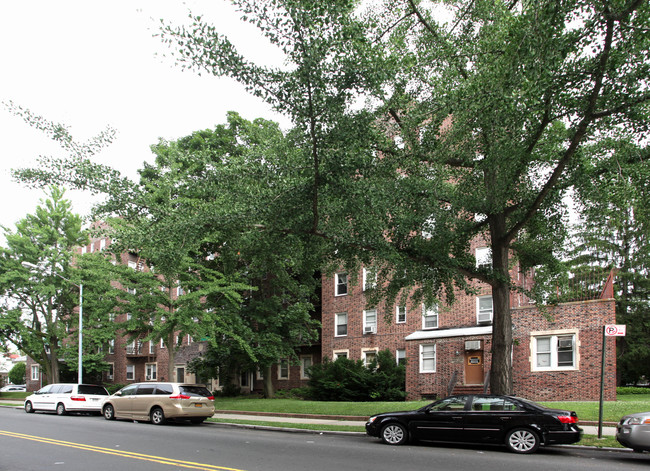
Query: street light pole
(81,317)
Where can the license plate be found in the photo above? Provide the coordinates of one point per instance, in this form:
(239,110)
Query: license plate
(94,399)
(198,405)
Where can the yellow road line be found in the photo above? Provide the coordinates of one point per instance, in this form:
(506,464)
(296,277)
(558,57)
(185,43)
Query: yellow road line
(124,454)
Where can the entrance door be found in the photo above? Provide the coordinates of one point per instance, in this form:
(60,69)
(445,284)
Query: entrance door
(474,367)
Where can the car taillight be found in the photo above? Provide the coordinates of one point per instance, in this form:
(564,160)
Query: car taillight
(568,419)
(78,398)
(180,396)
(211,398)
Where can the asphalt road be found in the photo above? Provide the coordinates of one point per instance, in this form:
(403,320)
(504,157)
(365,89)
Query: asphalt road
(89,443)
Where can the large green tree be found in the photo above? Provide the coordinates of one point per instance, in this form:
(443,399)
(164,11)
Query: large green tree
(474,123)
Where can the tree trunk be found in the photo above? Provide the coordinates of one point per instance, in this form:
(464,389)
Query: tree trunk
(269,392)
(501,369)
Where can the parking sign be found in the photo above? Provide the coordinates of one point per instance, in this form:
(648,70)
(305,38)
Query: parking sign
(615,330)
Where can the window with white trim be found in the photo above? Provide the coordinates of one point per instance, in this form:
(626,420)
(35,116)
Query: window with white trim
(111,346)
(35,371)
(130,372)
(400,314)
(283,369)
(428,358)
(429,317)
(400,356)
(370,321)
(341,324)
(305,363)
(152,347)
(483,257)
(111,371)
(340,284)
(369,279)
(368,356)
(151,372)
(484,309)
(336,354)
(554,351)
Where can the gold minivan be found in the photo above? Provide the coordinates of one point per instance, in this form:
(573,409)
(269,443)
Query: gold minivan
(159,402)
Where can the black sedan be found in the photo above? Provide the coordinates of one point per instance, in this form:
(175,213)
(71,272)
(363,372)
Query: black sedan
(521,425)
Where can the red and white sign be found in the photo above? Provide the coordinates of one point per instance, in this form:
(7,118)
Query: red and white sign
(615,330)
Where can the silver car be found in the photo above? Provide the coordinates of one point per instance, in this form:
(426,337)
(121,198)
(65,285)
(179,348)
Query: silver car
(633,431)
(158,402)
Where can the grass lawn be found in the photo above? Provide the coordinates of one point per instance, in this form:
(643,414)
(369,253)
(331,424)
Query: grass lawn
(587,411)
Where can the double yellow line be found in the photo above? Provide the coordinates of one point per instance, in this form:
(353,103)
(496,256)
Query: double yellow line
(123,454)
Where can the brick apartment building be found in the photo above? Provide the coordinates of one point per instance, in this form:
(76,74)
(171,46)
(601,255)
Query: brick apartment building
(556,354)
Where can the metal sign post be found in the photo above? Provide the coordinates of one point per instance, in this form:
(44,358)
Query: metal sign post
(611,330)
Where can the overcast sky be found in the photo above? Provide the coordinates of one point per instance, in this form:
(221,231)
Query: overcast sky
(90,64)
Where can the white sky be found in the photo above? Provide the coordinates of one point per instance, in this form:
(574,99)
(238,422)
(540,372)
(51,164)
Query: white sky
(89,64)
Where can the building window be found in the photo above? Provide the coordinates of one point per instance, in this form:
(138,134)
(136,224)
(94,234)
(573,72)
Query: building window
(368,356)
(180,374)
(283,369)
(369,279)
(554,351)
(162,343)
(130,372)
(484,309)
(111,371)
(151,370)
(131,264)
(152,347)
(370,321)
(341,284)
(483,257)
(427,358)
(35,371)
(102,244)
(400,356)
(400,313)
(336,354)
(341,324)
(429,317)
(111,346)
(305,364)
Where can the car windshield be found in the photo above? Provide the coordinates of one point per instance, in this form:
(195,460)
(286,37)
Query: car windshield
(195,391)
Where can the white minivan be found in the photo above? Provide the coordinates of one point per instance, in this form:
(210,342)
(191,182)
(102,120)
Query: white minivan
(67,397)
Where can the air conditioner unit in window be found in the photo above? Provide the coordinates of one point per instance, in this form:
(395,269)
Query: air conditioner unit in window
(109,376)
(472,345)
(148,378)
(370,329)
(485,318)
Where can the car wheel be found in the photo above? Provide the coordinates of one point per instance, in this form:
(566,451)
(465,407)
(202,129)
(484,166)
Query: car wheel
(394,434)
(29,408)
(522,440)
(157,416)
(60,409)
(109,412)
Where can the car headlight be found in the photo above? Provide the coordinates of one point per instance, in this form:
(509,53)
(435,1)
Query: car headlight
(637,421)
(372,419)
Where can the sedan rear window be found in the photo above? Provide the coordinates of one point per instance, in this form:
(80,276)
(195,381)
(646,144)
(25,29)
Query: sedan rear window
(195,391)
(91,389)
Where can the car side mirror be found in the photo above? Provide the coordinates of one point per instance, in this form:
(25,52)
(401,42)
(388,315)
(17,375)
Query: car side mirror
(119,393)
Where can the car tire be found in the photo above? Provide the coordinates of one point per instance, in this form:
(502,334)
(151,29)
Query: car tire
(522,440)
(394,433)
(60,409)
(157,416)
(108,412)
(29,408)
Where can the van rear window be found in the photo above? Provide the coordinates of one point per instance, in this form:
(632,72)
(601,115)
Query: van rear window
(195,391)
(92,389)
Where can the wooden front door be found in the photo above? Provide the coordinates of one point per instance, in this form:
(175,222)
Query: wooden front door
(474,367)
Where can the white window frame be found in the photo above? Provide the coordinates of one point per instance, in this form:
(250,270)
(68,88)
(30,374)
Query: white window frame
(306,361)
(111,346)
(398,311)
(553,337)
(430,350)
(151,371)
(35,370)
(130,372)
(340,353)
(430,312)
(338,283)
(480,313)
(369,279)
(483,257)
(152,347)
(110,373)
(364,356)
(400,356)
(337,316)
(370,325)
(102,244)
(283,365)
